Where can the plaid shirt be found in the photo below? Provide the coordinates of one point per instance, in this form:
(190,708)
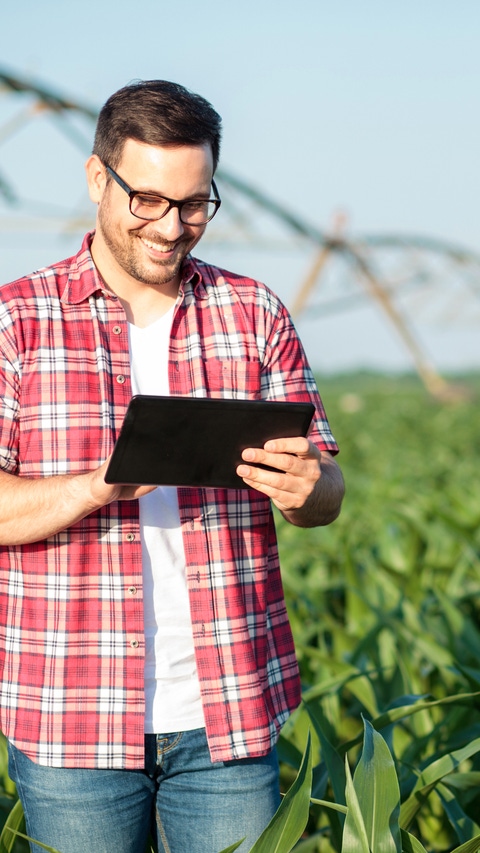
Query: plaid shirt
(71,612)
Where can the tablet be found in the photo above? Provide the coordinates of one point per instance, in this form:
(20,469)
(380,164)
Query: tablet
(197,441)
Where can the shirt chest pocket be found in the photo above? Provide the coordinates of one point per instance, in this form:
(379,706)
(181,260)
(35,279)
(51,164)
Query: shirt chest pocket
(232,378)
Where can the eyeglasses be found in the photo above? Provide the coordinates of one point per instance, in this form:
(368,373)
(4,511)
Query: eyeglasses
(195,211)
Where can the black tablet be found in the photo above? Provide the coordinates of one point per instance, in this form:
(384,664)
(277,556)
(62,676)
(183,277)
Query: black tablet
(197,441)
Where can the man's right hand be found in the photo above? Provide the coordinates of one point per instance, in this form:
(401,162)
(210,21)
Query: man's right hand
(104,493)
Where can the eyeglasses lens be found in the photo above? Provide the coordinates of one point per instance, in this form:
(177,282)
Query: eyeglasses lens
(191,212)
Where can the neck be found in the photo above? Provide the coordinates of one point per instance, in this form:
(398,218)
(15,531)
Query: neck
(147,306)
(143,302)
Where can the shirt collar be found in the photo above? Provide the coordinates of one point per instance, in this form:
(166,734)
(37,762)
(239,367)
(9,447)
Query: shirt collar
(191,275)
(84,278)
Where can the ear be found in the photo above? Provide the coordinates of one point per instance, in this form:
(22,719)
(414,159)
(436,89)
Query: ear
(96,178)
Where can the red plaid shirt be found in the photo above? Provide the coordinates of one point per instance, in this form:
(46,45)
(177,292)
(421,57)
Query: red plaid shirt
(71,612)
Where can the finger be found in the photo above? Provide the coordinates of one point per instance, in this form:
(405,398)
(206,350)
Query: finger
(129,493)
(277,487)
(297,445)
(299,465)
(273,483)
(264,481)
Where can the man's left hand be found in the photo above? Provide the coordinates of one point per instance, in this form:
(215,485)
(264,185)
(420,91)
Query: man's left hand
(296,488)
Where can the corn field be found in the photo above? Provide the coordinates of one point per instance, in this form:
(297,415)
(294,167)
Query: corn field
(383,755)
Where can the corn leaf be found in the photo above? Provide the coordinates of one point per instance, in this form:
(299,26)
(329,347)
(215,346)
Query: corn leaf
(288,752)
(464,781)
(330,755)
(410,844)
(394,715)
(378,792)
(331,684)
(469,847)
(328,805)
(429,778)
(333,767)
(355,838)
(362,689)
(310,844)
(11,825)
(15,832)
(291,817)
(463,825)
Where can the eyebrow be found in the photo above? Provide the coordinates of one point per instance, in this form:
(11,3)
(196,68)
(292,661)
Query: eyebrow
(199,197)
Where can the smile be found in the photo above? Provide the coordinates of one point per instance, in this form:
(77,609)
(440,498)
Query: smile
(158,247)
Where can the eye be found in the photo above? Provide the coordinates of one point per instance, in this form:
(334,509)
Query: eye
(194,205)
(149,200)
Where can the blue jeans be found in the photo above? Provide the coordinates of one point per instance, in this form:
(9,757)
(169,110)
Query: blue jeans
(186,802)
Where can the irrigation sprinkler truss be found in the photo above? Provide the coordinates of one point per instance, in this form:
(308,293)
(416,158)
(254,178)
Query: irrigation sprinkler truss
(404,275)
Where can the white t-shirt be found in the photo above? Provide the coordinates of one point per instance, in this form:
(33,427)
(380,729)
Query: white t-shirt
(172,691)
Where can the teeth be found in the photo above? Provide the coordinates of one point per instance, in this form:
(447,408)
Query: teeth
(156,246)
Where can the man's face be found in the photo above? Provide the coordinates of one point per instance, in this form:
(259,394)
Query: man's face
(152,252)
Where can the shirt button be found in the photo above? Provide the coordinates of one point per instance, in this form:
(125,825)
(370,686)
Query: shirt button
(134,644)
(132,590)
(117,330)
(121,379)
(130,537)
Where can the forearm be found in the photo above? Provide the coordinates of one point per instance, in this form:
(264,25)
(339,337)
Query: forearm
(324,503)
(34,509)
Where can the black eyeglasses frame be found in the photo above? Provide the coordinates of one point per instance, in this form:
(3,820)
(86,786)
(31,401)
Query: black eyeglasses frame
(171,201)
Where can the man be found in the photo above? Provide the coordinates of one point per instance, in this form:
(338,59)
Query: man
(147,662)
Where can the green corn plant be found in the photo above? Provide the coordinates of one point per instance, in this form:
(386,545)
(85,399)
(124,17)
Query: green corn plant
(375,821)
(372,801)
(290,819)
(385,609)
(11,828)
(11,832)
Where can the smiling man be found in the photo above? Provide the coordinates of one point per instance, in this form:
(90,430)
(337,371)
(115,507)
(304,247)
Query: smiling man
(145,251)
(147,663)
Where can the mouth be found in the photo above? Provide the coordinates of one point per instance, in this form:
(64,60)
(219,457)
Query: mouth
(160,250)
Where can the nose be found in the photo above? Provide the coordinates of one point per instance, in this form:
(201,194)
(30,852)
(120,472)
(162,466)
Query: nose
(171,226)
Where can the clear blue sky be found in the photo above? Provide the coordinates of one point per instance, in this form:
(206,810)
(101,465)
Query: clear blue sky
(360,105)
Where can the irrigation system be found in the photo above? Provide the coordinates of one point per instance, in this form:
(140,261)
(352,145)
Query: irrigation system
(404,275)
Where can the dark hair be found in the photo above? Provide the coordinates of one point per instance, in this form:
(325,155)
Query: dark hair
(155,112)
